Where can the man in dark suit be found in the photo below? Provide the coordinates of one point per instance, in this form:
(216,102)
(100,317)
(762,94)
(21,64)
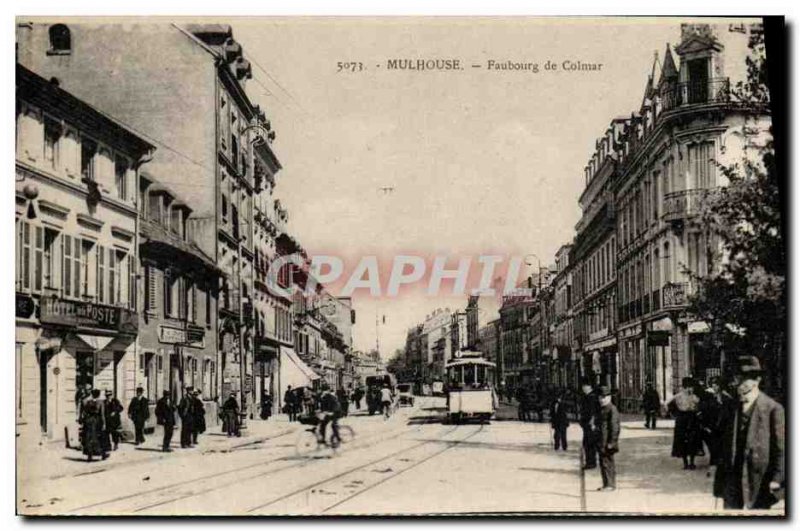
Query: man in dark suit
(589,411)
(651,404)
(559,421)
(165,415)
(609,440)
(139,412)
(186,411)
(751,474)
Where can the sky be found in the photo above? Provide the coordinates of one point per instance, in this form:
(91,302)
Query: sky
(478,161)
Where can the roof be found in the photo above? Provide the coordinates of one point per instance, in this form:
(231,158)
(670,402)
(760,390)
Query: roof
(47,94)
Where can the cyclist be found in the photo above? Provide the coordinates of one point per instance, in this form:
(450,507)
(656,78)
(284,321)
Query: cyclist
(329,414)
(386,400)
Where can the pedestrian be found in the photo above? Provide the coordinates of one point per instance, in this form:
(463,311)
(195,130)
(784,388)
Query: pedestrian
(198,416)
(186,412)
(559,422)
(609,440)
(686,442)
(710,413)
(289,398)
(651,404)
(113,417)
(139,412)
(589,409)
(266,405)
(309,401)
(358,395)
(344,401)
(92,426)
(165,416)
(522,403)
(82,393)
(751,471)
(230,415)
(386,401)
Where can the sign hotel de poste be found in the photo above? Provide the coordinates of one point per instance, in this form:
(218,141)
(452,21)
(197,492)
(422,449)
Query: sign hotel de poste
(83,314)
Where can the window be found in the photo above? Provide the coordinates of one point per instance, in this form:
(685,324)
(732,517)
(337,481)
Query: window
(71,279)
(121,166)
(52,132)
(207,293)
(151,291)
(23,255)
(60,38)
(176,220)
(131,282)
(50,256)
(101,274)
(88,151)
(87,267)
(701,164)
(154,207)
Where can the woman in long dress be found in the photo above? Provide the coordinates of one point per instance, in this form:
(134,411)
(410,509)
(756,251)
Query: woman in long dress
(93,426)
(686,442)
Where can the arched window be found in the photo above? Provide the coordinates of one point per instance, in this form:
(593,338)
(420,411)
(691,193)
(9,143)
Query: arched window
(60,38)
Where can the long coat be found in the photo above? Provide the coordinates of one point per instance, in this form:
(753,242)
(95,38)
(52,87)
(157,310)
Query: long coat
(165,412)
(139,409)
(609,429)
(558,414)
(92,424)
(764,460)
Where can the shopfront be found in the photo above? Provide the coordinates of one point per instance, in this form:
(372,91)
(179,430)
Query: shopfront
(74,344)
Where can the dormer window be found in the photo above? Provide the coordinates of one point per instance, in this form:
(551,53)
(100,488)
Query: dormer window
(88,151)
(60,39)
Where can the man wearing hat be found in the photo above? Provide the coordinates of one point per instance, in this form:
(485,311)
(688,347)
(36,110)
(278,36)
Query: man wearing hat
(651,404)
(609,439)
(186,412)
(165,414)
(588,413)
(750,474)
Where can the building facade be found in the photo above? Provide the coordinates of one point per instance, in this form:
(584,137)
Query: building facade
(184,88)
(77,310)
(179,289)
(687,124)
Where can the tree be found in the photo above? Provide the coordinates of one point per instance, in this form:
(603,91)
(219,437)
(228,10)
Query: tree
(744,298)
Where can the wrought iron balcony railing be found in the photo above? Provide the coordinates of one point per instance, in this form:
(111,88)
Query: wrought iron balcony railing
(684,204)
(714,90)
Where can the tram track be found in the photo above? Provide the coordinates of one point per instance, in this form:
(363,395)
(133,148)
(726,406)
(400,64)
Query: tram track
(211,478)
(338,476)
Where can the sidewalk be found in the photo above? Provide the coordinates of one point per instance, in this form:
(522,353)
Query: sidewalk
(54,461)
(649,480)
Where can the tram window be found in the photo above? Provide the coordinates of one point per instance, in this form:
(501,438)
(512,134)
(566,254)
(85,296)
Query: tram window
(469,374)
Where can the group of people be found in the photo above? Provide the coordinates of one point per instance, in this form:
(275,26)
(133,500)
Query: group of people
(100,420)
(305,401)
(742,428)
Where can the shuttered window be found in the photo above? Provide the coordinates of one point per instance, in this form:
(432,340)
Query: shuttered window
(131,283)
(38,259)
(152,289)
(101,274)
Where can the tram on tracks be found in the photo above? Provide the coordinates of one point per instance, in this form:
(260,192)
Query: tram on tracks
(470,387)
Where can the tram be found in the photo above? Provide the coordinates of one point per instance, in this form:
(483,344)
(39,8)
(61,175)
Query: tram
(470,389)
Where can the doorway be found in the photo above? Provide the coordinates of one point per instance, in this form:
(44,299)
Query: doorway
(698,80)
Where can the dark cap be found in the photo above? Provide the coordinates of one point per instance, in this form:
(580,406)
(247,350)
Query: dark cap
(748,365)
(604,391)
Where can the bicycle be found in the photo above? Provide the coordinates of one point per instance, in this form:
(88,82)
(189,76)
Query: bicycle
(308,441)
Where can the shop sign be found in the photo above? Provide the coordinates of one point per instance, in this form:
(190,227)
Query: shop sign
(83,314)
(179,336)
(25,306)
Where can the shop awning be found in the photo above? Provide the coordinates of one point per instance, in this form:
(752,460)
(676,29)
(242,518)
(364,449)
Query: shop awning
(299,365)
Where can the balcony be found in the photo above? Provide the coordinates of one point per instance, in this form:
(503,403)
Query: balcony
(715,90)
(685,204)
(675,295)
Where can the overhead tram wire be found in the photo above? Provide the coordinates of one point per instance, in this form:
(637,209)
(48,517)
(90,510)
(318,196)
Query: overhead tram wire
(275,81)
